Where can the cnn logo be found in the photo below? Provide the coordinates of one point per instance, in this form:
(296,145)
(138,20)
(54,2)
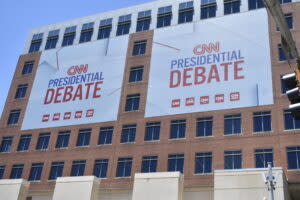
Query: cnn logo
(203,48)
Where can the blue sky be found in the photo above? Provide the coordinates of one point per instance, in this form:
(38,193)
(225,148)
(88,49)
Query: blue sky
(17,17)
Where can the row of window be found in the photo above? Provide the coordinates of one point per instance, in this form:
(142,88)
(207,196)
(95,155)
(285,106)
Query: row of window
(203,164)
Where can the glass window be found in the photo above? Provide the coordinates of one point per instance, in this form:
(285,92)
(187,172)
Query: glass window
(289,20)
(69,36)
(186,12)
(164,16)
(203,163)
(208,9)
(63,139)
(232,159)
(27,69)
(139,47)
(124,25)
(100,168)
(36,171)
(152,131)
(56,170)
(2,168)
(284,1)
(24,142)
(231,6)
(144,20)
(255,4)
(84,136)
(175,162)
(284,87)
(128,133)
(281,54)
(105,136)
(16,171)
(86,32)
(149,164)
(6,144)
(136,74)
(21,91)
(52,39)
(178,129)
(232,124)
(13,117)
(43,141)
(204,126)
(293,157)
(36,43)
(132,102)
(290,123)
(105,28)
(263,157)
(124,167)
(78,167)
(262,121)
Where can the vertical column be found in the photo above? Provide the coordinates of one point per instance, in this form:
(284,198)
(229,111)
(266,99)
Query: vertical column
(15,189)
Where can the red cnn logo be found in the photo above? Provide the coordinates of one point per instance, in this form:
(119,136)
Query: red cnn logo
(78,114)
(78,69)
(234,96)
(219,98)
(204,100)
(90,113)
(190,101)
(67,115)
(45,118)
(175,103)
(202,48)
(56,116)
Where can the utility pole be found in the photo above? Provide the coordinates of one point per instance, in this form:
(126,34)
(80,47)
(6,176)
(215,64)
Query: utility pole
(270,181)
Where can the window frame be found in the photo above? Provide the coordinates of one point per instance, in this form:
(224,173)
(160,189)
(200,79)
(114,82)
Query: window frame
(204,156)
(7,147)
(233,117)
(132,103)
(127,162)
(179,135)
(262,116)
(233,153)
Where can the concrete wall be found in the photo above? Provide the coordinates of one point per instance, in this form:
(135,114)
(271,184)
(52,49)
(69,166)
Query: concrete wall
(13,189)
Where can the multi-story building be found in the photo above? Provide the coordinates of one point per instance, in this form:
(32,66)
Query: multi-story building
(165,86)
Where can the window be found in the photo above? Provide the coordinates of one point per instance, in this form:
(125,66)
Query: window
(100,168)
(52,39)
(186,12)
(149,164)
(203,163)
(231,6)
(232,124)
(232,160)
(289,20)
(284,1)
(69,36)
(152,131)
(13,117)
(86,32)
(56,170)
(255,4)
(124,167)
(177,129)
(144,20)
(132,102)
(24,143)
(136,74)
(43,141)
(16,171)
(36,171)
(208,8)
(6,144)
(262,121)
(164,16)
(175,162)
(27,69)
(105,28)
(284,87)
(63,139)
(281,54)
(293,157)
(263,157)
(105,136)
(204,126)
(21,91)
(36,42)
(78,167)
(124,25)
(290,123)
(84,137)
(128,133)
(139,47)
(2,168)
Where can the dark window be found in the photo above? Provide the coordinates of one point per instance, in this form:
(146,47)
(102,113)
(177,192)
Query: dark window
(105,28)
(86,32)
(136,74)
(232,124)
(132,102)
(56,170)
(84,136)
(100,168)
(144,20)
(139,47)
(43,141)
(63,139)
(13,117)
(204,126)
(52,39)
(231,6)
(149,164)
(21,91)
(128,133)
(78,167)
(16,171)
(262,121)
(124,167)
(24,143)
(284,1)
(6,144)
(289,20)
(208,8)
(105,135)
(293,157)
(203,163)
(178,129)
(36,42)
(281,54)
(36,171)
(263,157)
(232,160)
(284,87)
(2,168)
(255,4)
(186,12)
(176,162)
(69,36)
(124,25)
(290,122)
(164,16)
(152,131)
(27,69)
